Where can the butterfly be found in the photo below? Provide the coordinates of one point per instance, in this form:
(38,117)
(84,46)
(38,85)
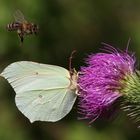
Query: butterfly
(43,92)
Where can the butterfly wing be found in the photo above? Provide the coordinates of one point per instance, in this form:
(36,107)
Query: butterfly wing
(42,91)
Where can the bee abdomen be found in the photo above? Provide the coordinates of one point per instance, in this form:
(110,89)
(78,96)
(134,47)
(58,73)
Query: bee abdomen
(13,26)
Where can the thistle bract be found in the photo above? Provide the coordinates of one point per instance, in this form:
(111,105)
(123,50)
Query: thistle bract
(107,77)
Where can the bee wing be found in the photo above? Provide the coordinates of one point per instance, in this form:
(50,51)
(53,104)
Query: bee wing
(19,17)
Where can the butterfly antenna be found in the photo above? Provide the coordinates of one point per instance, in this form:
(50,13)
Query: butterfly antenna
(128,43)
(70,61)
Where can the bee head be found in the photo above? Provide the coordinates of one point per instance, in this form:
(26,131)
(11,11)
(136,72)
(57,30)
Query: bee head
(35,28)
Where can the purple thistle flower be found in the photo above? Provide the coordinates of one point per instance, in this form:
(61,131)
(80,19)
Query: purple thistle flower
(101,82)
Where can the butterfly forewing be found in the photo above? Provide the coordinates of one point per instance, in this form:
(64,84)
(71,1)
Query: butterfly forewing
(42,91)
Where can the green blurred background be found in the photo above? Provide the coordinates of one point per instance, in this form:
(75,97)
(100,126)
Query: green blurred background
(66,25)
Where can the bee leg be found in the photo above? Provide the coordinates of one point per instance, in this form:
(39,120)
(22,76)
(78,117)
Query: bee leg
(35,33)
(21,36)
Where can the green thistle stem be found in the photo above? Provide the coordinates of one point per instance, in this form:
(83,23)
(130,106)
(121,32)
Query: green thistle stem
(131,95)
(131,88)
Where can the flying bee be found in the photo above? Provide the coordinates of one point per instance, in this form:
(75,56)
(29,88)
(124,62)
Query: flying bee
(22,26)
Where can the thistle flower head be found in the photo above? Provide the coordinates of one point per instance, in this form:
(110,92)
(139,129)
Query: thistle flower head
(102,82)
